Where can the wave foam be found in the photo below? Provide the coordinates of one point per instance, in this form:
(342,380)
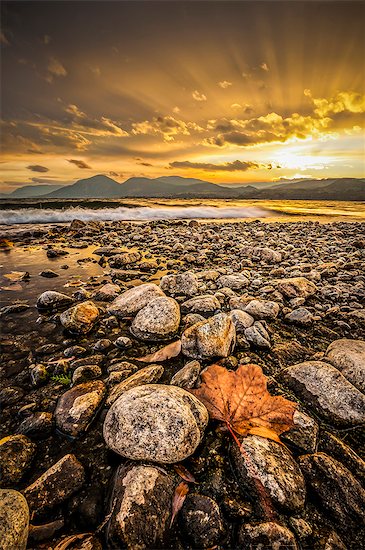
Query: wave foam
(34,215)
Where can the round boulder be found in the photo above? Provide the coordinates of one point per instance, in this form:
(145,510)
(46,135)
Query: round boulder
(159,320)
(80,319)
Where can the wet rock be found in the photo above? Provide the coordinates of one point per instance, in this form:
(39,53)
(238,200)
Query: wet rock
(304,434)
(214,337)
(301,528)
(185,284)
(86,373)
(301,316)
(156,423)
(123,259)
(10,395)
(296,287)
(200,521)
(188,376)
(348,356)
(322,387)
(141,508)
(48,273)
(56,484)
(106,293)
(241,320)
(37,425)
(234,282)
(257,335)
(102,345)
(262,309)
(205,304)
(275,467)
(16,455)
(77,407)
(123,342)
(336,448)
(339,493)
(14,520)
(134,299)
(53,300)
(38,375)
(159,320)
(266,535)
(147,375)
(81,318)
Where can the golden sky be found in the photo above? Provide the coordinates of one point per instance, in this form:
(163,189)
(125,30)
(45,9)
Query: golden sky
(222,91)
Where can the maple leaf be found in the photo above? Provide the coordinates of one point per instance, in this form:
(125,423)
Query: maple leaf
(167,352)
(241,400)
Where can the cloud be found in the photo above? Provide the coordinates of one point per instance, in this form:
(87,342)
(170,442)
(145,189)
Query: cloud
(234,166)
(166,126)
(199,96)
(104,126)
(79,163)
(55,67)
(37,168)
(350,102)
(224,84)
(115,175)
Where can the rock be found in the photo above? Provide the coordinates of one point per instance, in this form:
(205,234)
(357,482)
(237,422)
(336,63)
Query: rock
(106,293)
(123,259)
(301,316)
(339,493)
(185,284)
(234,282)
(48,273)
(56,484)
(77,407)
(214,337)
(262,309)
(267,255)
(268,535)
(14,520)
(147,375)
(205,304)
(37,425)
(45,531)
(38,375)
(102,345)
(241,320)
(337,449)
(296,287)
(123,342)
(134,299)
(156,423)
(348,356)
(275,467)
(159,320)
(258,335)
(304,434)
(81,318)
(16,455)
(200,521)
(322,387)
(86,373)
(141,508)
(192,318)
(53,300)
(301,528)
(187,376)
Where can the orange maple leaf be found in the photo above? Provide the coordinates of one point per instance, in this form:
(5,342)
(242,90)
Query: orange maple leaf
(241,400)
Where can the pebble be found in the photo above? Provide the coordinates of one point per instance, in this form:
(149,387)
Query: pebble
(159,320)
(106,293)
(200,521)
(236,281)
(214,337)
(304,433)
(267,535)
(262,309)
(16,455)
(181,284)
(53,300)
(156,423)
(257,335)
(296,287)
(204,305)
(147,375)
(241,320)
(86,373)
(348,356)
(134,299)
(81,318)
(301,316)
(188,376)
(37,425)
(14,520)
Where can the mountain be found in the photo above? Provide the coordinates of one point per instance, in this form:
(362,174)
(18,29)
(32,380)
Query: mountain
(29,191)
(339,189)
(90,188)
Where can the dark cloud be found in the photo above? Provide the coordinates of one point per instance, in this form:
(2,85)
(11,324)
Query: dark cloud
(234,166)
(37,168)
(79,163)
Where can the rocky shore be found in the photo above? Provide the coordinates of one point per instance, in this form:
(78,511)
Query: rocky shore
(98,430)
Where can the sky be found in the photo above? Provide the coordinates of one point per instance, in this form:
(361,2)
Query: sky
(228,92)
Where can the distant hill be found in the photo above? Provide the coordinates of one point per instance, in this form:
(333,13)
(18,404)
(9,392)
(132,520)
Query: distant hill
(103,187)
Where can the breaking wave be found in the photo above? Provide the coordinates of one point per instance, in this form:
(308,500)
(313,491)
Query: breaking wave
(36,215)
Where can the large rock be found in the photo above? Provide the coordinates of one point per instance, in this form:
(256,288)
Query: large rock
(77,407)
(185,284)
(125,258)
(106,293)
(140,508)
(258,335)
(14,520)
(322,387)
(304,433)
(236,281)
(81,318)
(187,376)
(301,316)
(214,337)
(156,423)
(338,491)
(134,299)
(296,287)
(147,375)
(267,535)
(200,521)
(241,320)
(53,487)
(159,320)
(16,455)
(348,356)
(273,465)
(204,304)
(262,309)
(267,255)
(53,300)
